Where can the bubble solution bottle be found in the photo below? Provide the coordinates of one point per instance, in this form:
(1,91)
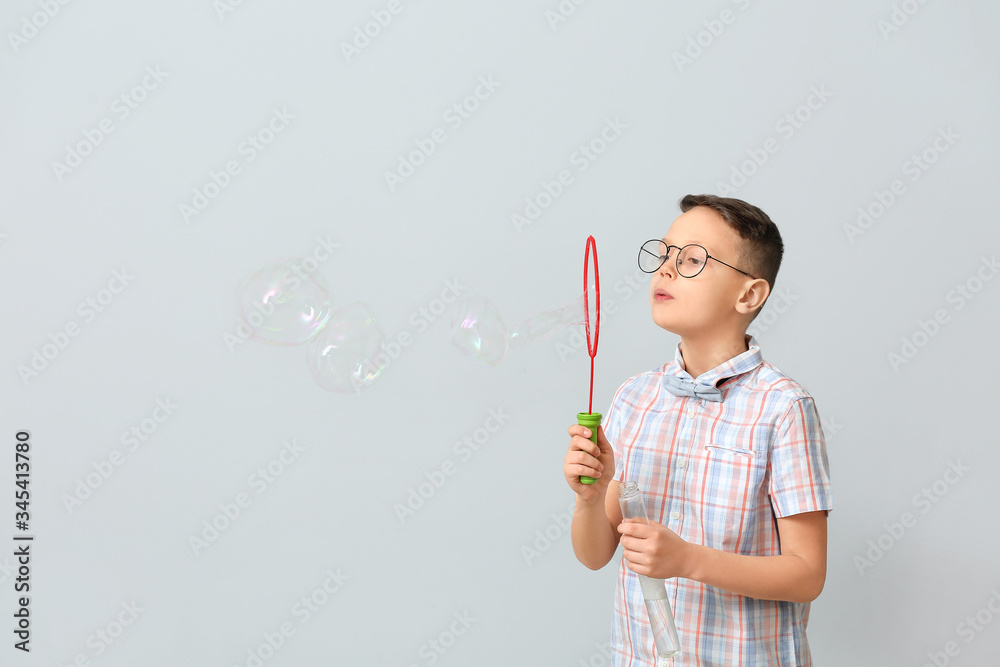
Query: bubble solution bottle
(654,591)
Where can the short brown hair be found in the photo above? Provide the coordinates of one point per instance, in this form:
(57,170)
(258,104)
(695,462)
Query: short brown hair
(761,248)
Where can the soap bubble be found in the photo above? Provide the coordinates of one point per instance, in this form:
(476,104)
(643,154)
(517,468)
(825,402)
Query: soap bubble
(285,305)
(347,355)
(546,322)
(477,329)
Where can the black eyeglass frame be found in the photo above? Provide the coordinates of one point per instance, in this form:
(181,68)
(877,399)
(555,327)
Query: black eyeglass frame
(678,256)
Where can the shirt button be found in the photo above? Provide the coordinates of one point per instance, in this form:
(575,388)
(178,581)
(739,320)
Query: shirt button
(675,515)
(682,463)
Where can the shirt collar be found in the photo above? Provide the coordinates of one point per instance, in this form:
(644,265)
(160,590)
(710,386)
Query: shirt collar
(738,365)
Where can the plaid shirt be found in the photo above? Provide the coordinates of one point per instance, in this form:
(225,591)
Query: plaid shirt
(718,474)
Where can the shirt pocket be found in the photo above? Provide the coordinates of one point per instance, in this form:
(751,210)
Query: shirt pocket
(729,452)
(733,475)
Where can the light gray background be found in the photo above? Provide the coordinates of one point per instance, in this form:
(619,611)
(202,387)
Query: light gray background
(891,432)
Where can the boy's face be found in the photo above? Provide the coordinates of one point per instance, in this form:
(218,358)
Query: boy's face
(700,305)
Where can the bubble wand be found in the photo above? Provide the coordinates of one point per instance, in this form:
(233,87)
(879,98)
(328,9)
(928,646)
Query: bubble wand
(591,419)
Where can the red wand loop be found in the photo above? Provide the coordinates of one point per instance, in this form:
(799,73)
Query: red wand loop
(591,419)
(591,344)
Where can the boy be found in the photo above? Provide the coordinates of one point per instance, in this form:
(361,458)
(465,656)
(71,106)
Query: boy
(727,450)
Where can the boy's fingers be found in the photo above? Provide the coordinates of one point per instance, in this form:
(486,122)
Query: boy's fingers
(632,528)
(583,465)
(585,445)
(588,460)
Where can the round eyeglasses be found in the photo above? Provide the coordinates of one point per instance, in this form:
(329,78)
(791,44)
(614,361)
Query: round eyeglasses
(689,260)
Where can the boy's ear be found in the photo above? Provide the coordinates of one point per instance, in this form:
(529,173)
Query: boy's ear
(753,296)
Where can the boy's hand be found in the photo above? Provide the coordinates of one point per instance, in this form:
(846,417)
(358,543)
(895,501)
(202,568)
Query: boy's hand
(586,458)
(654,550)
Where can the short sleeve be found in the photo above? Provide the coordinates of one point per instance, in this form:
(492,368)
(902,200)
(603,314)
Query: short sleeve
(800,470)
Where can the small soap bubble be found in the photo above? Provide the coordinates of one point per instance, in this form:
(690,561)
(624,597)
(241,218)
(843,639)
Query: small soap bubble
(284,305)
(544,323)
(477,330)
(347,355)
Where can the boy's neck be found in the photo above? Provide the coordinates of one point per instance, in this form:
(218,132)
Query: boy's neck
(702,355)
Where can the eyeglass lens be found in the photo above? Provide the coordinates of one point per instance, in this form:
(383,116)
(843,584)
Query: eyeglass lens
(653,254)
